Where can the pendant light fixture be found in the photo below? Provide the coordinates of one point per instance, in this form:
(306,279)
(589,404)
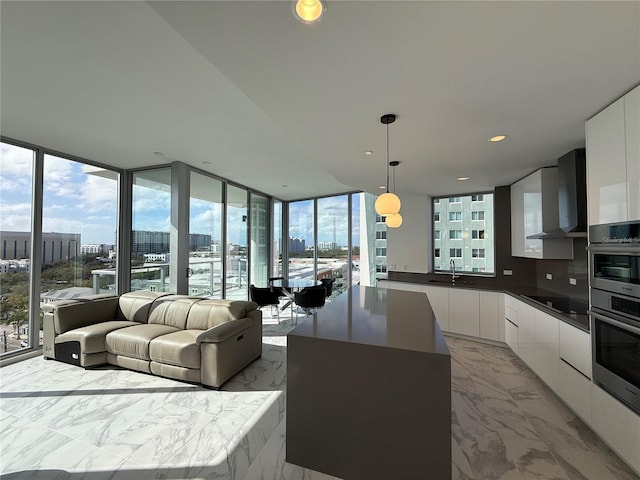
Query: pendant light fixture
(394,221)
(308,11)
(388,203)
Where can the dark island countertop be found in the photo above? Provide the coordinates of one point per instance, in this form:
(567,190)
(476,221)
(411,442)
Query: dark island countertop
(377,317)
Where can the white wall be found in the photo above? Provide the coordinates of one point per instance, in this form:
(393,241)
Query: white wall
(409,247)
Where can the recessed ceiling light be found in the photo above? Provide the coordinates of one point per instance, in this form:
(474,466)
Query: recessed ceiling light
(284,185)
(462,179)
(382,187)
(368,152)
(308,11)
(497,138)
(206,163)
(159,154)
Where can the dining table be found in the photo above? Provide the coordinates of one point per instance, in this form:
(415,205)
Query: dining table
(290,285)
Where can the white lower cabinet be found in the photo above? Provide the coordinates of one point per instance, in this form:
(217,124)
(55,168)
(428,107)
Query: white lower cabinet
(617,425)
(575,390)
(439,300)
(464,312)
(511,324)
(511,335)
(547,356)
(575,348)
(489,309)
(527,335)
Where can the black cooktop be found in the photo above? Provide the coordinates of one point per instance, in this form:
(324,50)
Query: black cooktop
(561,304)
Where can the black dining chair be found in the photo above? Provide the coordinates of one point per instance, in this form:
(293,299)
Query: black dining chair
(328,284)
(310,299)
(265,297)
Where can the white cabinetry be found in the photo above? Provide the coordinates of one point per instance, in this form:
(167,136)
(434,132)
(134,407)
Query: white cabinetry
(490,325)
(527,334)
(613,162)
(575,348)
(575,369)
(535,336)
(575,390)
(617,425)
(547,357)
(464,312)
(632,137)
(534,210)
(511,327)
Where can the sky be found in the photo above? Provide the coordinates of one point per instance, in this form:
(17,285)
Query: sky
(73,202)
(79,202)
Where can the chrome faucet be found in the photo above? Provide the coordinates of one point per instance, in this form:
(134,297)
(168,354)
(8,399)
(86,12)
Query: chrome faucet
(452,264)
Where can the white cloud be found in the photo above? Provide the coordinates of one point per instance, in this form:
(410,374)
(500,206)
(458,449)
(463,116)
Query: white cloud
(99,194)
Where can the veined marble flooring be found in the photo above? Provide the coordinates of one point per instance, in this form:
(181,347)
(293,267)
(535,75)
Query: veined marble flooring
(60,422)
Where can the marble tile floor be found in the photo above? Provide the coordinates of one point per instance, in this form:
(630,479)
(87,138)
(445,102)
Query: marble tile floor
(59,422)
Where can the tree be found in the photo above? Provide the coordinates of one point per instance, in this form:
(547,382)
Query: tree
(15,311)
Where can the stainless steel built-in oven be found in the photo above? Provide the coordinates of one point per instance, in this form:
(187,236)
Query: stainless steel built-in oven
(615,309)
(616,345)
(615,257)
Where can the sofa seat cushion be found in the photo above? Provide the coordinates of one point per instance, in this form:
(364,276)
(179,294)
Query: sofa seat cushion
(92,337)
(177,348)
(134,341)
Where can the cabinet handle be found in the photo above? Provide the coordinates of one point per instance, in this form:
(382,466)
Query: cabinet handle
(564,361)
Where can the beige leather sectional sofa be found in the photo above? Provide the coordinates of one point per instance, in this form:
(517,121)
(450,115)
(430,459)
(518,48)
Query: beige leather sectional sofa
(187,338)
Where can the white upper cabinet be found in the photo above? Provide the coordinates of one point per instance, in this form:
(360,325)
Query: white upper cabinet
(534,209)
(613,162)
(632,137)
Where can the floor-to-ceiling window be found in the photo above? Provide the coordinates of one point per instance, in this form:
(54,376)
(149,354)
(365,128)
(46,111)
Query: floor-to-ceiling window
(16,180)
(205,236)
(301,239)
(78,244)
(368,240)
(259,250)
(276,249)
(236,255)
(333,241)
(150,235)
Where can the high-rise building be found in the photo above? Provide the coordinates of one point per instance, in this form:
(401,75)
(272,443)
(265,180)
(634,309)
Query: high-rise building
(296,245)
(55,246)
(463,232)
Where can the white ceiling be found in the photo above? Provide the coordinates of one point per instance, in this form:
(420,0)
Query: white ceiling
(289,109)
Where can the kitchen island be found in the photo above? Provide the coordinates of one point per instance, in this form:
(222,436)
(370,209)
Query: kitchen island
(369,388)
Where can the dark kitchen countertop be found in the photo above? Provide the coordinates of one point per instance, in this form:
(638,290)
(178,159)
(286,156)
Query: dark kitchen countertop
(578,320)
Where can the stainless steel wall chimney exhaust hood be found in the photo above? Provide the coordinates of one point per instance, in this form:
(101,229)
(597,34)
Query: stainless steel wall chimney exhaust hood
(572,198)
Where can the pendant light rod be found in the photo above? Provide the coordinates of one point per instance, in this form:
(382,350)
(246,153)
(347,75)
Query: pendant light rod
(388,203)
(386,119)
(394,164)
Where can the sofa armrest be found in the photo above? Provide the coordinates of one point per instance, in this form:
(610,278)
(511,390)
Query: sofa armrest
(224,331)
(68,315)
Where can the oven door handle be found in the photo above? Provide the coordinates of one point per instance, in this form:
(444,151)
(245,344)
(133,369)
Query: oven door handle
(615,249)
(611,321)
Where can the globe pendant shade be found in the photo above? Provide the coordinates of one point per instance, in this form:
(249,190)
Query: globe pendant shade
(393,221)
(387,204)
(308,10)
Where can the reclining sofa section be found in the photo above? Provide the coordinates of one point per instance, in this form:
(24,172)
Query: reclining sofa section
(186,338)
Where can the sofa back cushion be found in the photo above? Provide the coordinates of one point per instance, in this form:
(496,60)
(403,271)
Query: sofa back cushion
(80,312)
(208,313)
(134,306)
(172,310)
